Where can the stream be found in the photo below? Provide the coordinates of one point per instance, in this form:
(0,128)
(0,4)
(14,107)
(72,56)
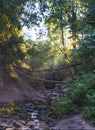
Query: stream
(34,115)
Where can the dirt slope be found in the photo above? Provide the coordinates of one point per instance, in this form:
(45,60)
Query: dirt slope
(15,90)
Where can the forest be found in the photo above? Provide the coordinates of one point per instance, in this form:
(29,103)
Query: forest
(60,58)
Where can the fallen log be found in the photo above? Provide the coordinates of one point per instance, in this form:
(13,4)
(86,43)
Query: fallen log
(40,79)
(60,68)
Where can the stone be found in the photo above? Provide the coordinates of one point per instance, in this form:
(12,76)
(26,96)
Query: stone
(53,128)
(25,128)
(34,115)
(31,124)
(10,128)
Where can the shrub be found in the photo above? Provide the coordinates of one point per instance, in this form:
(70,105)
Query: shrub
(82,94)
(90,98)
(81,87)
(89,112)
(85,52)
(61,108)
(11,109)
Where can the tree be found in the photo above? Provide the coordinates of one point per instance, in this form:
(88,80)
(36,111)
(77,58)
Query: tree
(64,14)
(86,45)
(13,15)
(90,13)
(38,54)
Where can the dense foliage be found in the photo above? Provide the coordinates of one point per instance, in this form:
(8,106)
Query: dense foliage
(38,53)
(10,31)
(82,94)
(13,15)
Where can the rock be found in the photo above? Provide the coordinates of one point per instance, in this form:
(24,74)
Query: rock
(37,123)
(6,116)
(39,101)
(17,124)
(31,124)
(10,129)
(25,128)
(43,125)
(34,115)
(53,128)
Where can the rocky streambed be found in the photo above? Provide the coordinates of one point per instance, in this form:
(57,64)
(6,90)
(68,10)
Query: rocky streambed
(33,114)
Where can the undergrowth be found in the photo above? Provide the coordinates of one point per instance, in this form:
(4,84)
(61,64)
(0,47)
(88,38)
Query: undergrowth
(81,95)
(11,109)
(60,108)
